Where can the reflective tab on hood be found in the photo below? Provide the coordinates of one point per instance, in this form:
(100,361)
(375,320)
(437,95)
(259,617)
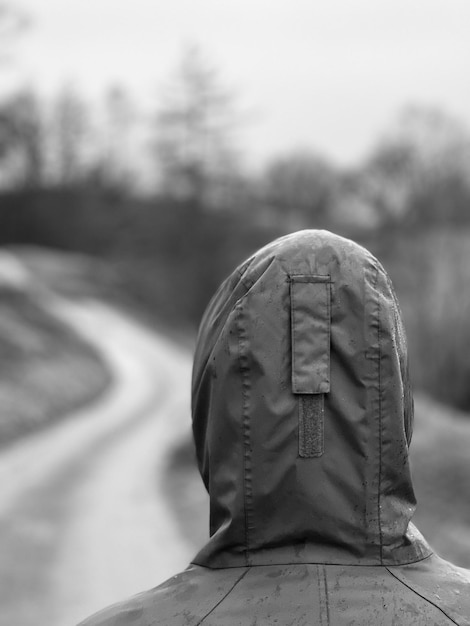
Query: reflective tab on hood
(310,347)
(310,333)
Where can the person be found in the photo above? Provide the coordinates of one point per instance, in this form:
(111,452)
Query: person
(302,420)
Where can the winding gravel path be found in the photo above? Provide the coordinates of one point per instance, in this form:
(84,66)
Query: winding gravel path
(83,517)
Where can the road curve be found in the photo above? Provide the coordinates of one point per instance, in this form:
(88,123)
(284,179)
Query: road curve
(84,520)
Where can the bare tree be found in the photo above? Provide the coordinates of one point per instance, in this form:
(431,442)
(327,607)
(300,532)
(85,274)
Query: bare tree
(299,186)
(194,131)
(22,141)
(69,132)
(12,22)
(118,148)
(420,171)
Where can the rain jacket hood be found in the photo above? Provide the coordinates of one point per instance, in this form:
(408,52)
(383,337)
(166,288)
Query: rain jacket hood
(302,417)
(302,411)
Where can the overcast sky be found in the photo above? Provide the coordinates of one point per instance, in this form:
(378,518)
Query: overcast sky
(327,75)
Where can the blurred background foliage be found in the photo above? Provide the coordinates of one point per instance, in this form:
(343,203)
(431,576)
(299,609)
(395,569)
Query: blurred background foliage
(169,203)
(144,207)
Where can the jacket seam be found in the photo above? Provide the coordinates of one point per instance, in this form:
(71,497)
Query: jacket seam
(224,597)
(323,581)
(247,478)
(422,597)
(379,494)
(374,498)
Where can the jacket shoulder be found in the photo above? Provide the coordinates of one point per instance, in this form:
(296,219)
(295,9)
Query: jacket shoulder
(183,600)
(442,584)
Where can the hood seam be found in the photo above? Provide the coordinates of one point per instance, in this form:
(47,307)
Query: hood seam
(308,562)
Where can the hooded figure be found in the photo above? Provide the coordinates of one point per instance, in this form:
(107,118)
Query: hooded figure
(302,419)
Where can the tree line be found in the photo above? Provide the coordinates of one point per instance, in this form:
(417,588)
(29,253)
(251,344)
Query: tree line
(165,197)
(418,173)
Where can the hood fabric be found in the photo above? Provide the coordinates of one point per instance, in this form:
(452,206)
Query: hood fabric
(302,411)
(302,416)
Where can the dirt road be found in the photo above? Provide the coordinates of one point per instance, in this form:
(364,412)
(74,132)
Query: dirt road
(83,516)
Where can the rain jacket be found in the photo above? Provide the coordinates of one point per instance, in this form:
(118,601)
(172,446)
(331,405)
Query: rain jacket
(302,419)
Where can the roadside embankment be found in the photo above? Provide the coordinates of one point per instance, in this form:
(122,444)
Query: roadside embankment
(46,369)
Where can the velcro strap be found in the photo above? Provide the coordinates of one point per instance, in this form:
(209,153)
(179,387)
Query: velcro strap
(311,412)
(310,333)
